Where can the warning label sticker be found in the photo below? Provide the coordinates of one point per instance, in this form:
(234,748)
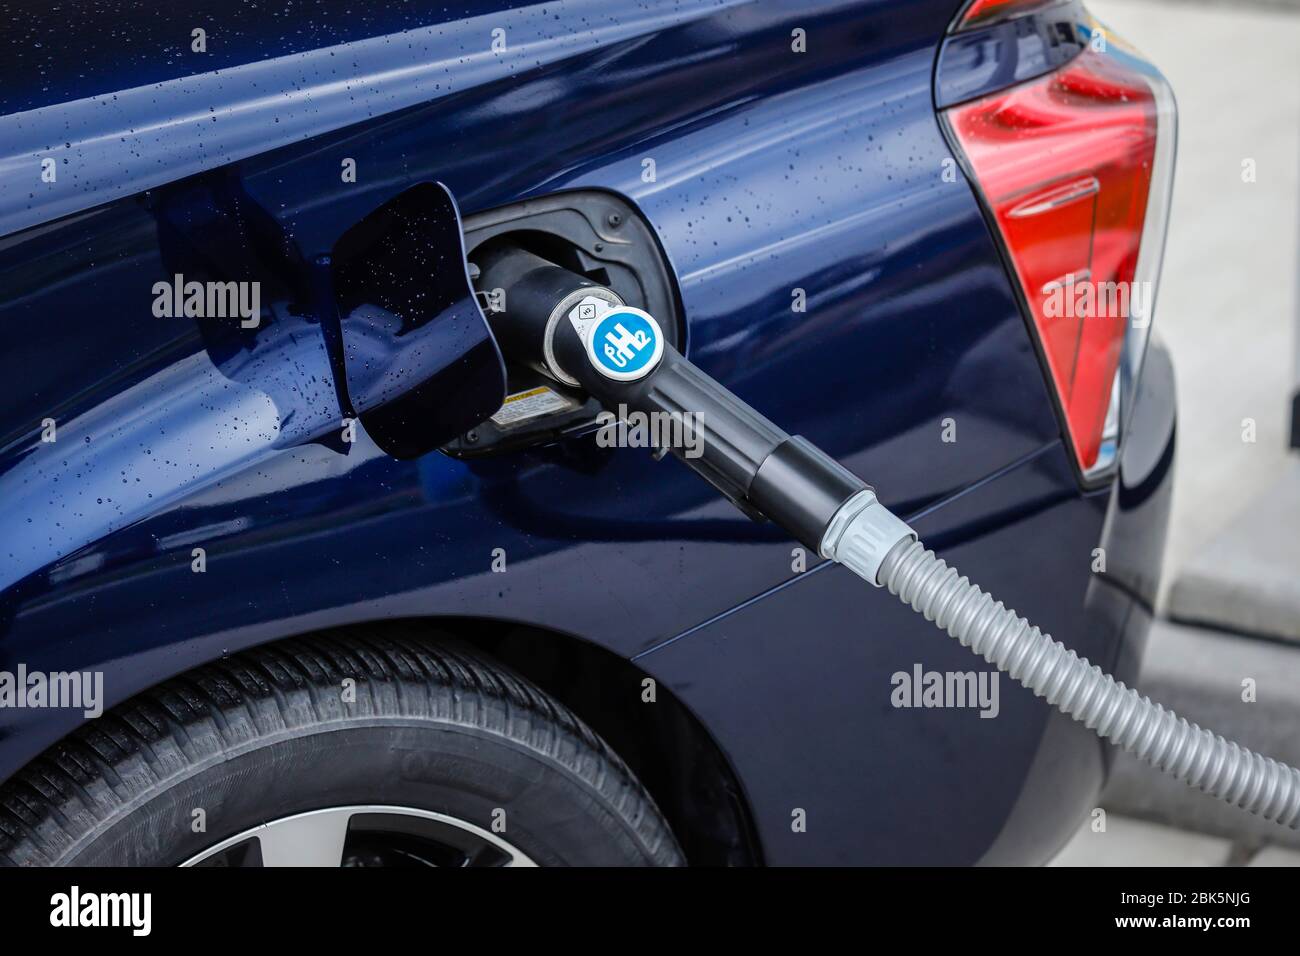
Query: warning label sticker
(521,406)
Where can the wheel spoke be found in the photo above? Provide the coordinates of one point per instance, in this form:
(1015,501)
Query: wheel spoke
(311,839)
(516,857)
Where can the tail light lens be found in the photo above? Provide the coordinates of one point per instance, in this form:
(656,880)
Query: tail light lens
(1075,169)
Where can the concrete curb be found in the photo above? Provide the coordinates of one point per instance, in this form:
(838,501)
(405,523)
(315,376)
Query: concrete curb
(1248,578)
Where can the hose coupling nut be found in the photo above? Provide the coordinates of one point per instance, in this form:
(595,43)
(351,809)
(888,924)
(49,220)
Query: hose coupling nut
(861,535)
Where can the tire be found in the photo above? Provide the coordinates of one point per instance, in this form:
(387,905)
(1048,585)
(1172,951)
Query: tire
(267,734)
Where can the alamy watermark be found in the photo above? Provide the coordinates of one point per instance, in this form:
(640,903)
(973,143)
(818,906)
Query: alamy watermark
(665,430)
(1076,296)
(78,690)
(209,300)
(78,908)
(922,688)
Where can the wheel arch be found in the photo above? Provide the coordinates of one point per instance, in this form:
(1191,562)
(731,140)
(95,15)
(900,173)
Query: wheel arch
(665,744)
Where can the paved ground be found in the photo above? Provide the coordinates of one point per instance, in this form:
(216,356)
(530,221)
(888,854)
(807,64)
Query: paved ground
(1227,308)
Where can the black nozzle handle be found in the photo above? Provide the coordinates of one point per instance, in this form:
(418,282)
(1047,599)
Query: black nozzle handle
(764,470)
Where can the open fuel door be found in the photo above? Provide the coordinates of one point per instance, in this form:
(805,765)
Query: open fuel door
(419,364)
(364,306)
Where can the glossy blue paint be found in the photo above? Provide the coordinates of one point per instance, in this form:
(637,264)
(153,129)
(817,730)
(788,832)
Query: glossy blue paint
(940,786)
(773,171)
(206,112)
(948,804)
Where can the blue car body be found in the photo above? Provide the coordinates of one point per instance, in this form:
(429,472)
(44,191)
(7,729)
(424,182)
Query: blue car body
(773,170)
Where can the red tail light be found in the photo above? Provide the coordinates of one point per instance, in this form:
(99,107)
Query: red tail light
(1074,169)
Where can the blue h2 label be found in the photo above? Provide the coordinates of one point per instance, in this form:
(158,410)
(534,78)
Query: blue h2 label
(625,344)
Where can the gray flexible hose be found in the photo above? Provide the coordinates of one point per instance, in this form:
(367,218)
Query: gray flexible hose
(868,539)
(1083,691)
